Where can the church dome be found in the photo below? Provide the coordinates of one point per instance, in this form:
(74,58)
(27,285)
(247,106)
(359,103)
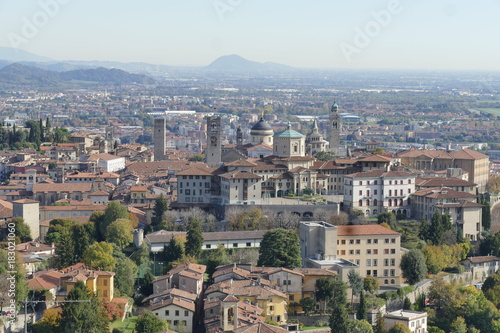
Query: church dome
(261,125)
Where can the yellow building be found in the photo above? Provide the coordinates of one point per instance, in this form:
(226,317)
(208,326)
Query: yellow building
(99,282)
(272,301)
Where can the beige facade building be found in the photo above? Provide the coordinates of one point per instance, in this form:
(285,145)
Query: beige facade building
(371,249)
(475,163)
(464,211)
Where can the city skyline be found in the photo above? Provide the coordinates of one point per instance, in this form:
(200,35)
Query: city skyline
(390,34)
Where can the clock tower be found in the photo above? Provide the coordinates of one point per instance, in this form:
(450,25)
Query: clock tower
(214,147)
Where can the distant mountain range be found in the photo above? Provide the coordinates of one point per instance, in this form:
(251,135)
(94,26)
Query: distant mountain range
(235,63)
(229,63)
(16,55)
(19,74)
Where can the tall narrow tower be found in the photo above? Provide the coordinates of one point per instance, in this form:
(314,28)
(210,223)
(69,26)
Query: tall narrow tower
(214,147)
(239,137)
(160,138)
(334,129)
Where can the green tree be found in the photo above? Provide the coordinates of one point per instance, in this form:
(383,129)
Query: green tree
(280,248)
(119,232)
(359,326)
(389,218)
(83,317)
(370,284)
(413,266)
(65,250)
(339,322)
(459,326)
(485,212)
(406,303)
(399,328)
(100,257)
(490,245)
(125,274)
(424,229)
(324,290)
(149,322)
(308,304)
(355,282)
(113,212)
(157,221)
(216,258)
(22,229)
(379,326)
(194,238)
(141,256)
(362,313)
(325,156)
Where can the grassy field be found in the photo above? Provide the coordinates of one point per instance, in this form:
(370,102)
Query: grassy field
(493,111)
(128,324)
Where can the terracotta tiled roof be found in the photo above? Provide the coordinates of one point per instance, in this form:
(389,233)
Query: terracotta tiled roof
(174,292)
(242,163)
(442,192)
(260,328)
(380,173)
(25,201)
(367,229)
(239,175)
(376,158)
(45,280)
(481,259)
(444,182)
(196,171)
(62,187)
(103,157)
(188,305)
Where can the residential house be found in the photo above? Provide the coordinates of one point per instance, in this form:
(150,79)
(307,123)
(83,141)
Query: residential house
(415,321)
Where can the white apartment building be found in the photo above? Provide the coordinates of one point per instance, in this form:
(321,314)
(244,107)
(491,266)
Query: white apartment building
(179,313)
(415,321)
(194,185)
(377,190)
(240,187)
(108,162)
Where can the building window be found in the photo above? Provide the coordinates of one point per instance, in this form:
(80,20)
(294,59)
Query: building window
(375,241)
(386,272)
(358,241)
(342,252)
(358,252)
(386,262)
(393,262)
(360,203)
(186,313)
(176,323)
(393,251)
(386,240)
(351,241)
(393,240)
(208,246)
(292,297)
(235,244)
(167,313)
(375,262)
(368,262)
(368,241)
(369,251)
(351,251)
(393,272)
(368,272)
(375,273)
(386,251)
(343,242)
(249,244)
(177,313)
(271,308)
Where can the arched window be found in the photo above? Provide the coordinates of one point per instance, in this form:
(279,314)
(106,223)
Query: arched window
(368,202)
(392,281)
(401,202)
(360,203)
(386,281)
(390,202)
(375,202)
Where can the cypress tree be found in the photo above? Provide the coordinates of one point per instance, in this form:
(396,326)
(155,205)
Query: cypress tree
(362,313)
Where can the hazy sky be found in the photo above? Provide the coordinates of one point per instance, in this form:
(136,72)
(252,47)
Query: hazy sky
(453,34)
